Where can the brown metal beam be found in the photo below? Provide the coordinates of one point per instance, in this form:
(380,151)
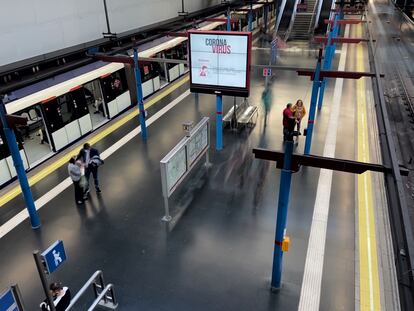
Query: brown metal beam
(345,21)
(324,40)
(13,120)
(336,74)
(342,165)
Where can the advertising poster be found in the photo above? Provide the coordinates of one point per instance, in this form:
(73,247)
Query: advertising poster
(220,62)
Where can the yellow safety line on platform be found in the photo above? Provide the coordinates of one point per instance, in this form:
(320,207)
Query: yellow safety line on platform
(10,195)
(368,256)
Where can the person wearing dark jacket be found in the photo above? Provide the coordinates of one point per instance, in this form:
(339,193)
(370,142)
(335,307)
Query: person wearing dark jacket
(91,160)
(289,122)
(61,298)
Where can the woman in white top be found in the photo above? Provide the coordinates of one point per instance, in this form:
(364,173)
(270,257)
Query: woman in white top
(74,170)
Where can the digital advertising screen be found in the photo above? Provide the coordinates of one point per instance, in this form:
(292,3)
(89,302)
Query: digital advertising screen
(220,62)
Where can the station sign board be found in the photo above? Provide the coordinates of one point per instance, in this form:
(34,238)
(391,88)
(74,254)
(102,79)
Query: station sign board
(8,301)
(54,256)
(220,62)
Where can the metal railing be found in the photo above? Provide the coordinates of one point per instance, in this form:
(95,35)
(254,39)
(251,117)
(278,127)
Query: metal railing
(315,16)
(100,290)
(292,20)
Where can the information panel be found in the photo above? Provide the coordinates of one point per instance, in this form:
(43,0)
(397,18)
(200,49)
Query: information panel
(183,157)
(176,168)
(197,144)
(220,62)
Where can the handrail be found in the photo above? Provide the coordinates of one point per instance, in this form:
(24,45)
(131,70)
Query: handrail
(88,283)
(102,295)
(292,20)
(315,17)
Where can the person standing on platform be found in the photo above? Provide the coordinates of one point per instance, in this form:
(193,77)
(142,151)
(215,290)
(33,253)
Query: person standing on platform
(74,171)
(61,298)
(288,123)
(91,161)
(299,112)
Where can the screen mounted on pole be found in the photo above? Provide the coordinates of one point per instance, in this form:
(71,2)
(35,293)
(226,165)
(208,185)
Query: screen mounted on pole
(220,62)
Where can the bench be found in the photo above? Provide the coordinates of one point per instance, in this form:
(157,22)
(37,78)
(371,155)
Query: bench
(243,116)
(247,116)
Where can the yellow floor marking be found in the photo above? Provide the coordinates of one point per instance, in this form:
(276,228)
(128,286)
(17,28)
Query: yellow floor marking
(15,191)
(369,280)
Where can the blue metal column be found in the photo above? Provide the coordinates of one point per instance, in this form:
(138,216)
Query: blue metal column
(18,164)
(282,211)
(329,56)
(249,27)
(140,98)
(265,17)
(228,20)
(312,110)
(219,122)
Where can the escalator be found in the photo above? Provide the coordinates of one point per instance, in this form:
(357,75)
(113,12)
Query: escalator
(301,17)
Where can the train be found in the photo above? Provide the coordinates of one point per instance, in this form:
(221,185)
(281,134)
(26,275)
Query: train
(69,106)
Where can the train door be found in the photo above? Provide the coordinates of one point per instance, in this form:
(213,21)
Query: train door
(95,103)
(7,170)
(115,92)
(34,136)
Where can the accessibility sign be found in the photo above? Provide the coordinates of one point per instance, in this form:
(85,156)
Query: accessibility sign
(267,72)
(54,256)
(8,301)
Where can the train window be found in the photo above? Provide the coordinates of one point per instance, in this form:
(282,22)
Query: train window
(114,85)
(52,115)
(65,109)
(78,99)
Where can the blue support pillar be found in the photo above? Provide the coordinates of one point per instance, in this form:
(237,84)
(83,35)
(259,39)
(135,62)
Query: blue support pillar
(329,56)
(140,96)
(18,164)
(282,212)
(312,109)
(219,122)
(228,20)
(249,26)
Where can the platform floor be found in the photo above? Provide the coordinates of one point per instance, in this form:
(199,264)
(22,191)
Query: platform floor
(216,254)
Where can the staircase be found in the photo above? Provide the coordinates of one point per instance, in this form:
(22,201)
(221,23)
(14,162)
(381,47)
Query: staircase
(302,21)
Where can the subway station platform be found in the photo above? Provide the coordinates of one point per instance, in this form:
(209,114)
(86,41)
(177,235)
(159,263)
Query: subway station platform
(216,253)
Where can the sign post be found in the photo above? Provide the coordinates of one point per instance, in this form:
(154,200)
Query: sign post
(18,164)
(140,98)
(46,263)
(10,299)
(220,65)
(313,103)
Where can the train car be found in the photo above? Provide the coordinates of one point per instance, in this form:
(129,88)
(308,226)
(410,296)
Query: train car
(69,106)
(258,15)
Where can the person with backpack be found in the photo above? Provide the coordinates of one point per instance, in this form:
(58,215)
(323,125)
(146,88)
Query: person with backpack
(91,160)
(74,170)
(61,298)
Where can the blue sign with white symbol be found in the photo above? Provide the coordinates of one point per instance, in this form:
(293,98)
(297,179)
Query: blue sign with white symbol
(7,301)
(54,256)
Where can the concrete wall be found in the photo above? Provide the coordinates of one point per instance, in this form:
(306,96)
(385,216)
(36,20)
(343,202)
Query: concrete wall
(35,27)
